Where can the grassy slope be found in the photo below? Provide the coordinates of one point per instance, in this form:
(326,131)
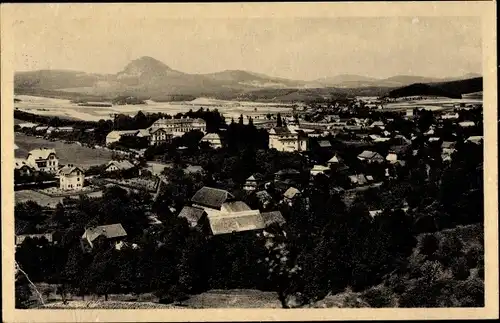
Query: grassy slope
(67,153)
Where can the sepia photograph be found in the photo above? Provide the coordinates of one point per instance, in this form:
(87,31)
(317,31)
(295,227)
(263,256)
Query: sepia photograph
(176,157)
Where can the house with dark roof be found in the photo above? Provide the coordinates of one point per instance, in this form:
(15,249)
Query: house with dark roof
(214,211)
(209,197)
(370,157)
(113,233)
(193,215)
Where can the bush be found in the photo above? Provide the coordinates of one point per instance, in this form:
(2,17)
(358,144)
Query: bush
(429,245)
(459,268)
(450,248)
(473,255)
(470,293)
(378,297)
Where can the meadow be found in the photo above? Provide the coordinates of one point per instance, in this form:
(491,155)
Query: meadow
(65,109)
(67,153)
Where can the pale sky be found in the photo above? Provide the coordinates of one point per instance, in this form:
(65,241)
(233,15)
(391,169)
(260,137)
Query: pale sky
(296,48)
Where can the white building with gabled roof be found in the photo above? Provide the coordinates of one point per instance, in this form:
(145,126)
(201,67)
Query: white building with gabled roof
(43,159)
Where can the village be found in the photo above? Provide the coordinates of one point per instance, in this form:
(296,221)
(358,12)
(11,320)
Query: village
(227,178)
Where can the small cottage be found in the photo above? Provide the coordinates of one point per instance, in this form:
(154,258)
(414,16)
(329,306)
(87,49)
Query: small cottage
(253,182)
(370,157)
(290,194)
(113,233)
(115,165)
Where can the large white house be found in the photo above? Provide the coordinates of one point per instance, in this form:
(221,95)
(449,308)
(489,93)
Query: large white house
(43,159)
(180,125)
(288,139)
(71,178)
(159,136)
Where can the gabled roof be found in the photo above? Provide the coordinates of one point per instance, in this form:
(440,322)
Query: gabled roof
(191,214)
(320,168)
(291,192)
(152,130)
(255,177)
(474,139)
(108,231)
(193,169)
(391,157)
(144,132)
(121,165)
(367,154)
(19,163)
(448,144)
(280,131)
(235,206)
(358,179)
(324,144)
(335,159)
(466,124)
(377,124)
(211,136)
(116,133)
(374,213)
(68,169)
(211,197)
(274,217)
(236,222)
(42,153)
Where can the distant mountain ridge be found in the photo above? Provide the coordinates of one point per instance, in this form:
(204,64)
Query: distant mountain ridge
(147,77)
(451,89)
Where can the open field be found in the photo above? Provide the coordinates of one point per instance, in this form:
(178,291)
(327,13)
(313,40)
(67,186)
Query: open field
(66,109)
(67,153)
(45,200)
(429,104)
(42,199)
(236,298)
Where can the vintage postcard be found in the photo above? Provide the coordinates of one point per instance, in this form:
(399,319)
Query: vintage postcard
(249,161)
